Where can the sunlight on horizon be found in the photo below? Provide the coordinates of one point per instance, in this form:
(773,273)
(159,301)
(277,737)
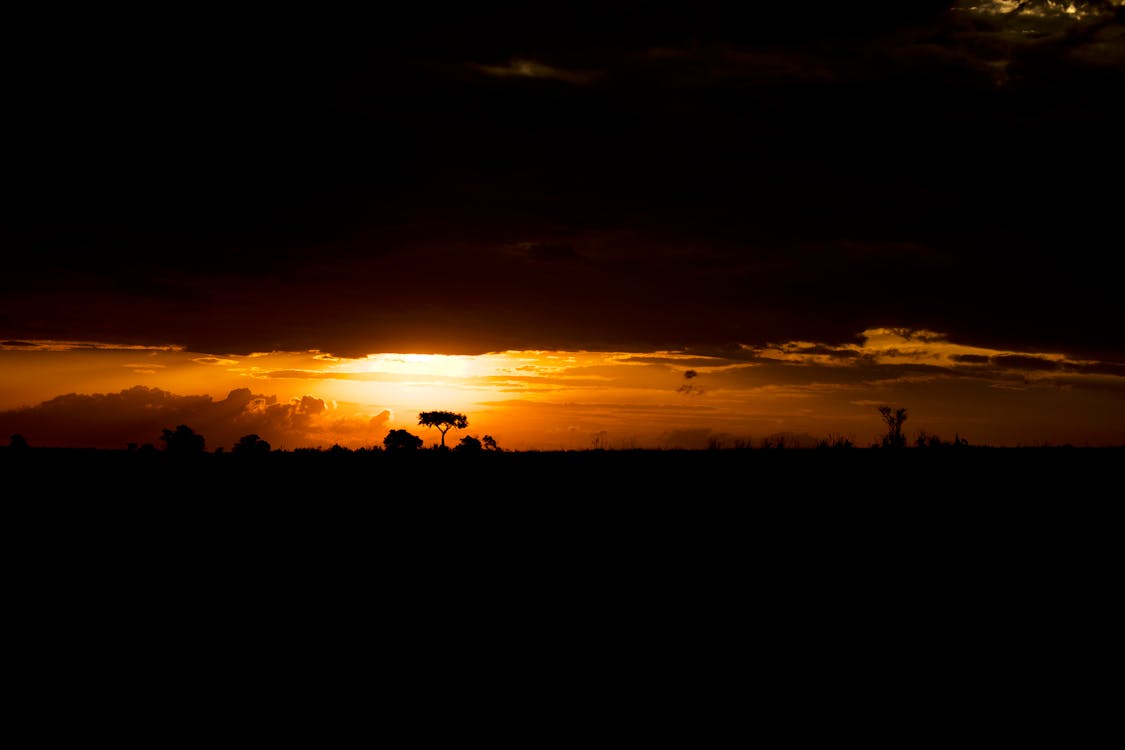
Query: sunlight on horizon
(540,399)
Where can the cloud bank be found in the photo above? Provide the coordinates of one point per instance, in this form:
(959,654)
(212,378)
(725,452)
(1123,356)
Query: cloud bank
(139,415)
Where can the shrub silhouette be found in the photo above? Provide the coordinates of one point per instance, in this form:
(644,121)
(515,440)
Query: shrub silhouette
(251,445)
(17,442)
(183,441)
(468,444)
(926,440)
(444,421)
(401,440)
(834,441)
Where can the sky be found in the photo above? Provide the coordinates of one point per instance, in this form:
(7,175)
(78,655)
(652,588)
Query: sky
(582,225)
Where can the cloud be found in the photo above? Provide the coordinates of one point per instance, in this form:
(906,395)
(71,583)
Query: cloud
(47,345)
(1011,40)
(1116,369)
(1024,362)
(597,178)
(139,414)
(678,360)
(519,68)
(832,352)
(544,251)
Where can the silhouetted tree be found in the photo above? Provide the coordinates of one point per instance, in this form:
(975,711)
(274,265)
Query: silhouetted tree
(401,440)
(468,444)
(835,441)
(251,445)
(443,420)
(490,444)
(893,418)
(183,441)
(17,442)
(926,440)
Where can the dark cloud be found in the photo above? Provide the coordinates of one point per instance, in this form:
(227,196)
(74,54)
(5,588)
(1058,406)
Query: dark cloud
(677,361)
(137,414)
(140,414)
(545,251)
(518,68)
(1097,368)
(826,351)
(588,177)
(1024,362)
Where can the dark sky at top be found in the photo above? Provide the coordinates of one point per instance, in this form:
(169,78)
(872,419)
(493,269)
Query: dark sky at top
(564,175)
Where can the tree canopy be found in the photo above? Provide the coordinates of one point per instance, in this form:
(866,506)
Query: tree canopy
(183,441)
(443,420)
(401,440)
(251,445)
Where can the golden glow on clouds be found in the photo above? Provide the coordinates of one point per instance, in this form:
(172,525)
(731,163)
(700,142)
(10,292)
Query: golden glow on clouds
(1002,29)
(66,346)
(550,399)
(1021,8)
(522,68)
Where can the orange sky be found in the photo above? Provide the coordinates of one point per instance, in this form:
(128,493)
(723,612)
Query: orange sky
(812,209)
(104,395)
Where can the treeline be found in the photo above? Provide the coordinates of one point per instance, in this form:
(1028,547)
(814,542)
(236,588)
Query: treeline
(184,441)
(339,474)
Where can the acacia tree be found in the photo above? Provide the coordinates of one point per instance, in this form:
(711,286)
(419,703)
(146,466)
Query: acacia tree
(893,419)
(443,420)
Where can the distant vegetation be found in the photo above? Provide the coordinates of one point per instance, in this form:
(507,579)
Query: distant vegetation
(399,471)
(893,419)
(183,442)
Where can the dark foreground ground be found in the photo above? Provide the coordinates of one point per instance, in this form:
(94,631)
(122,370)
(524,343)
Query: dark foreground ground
(741,479)
(935,504)
(893,597)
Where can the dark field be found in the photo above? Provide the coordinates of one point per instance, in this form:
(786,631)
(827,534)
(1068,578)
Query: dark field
(910,593)
(704,501)
(607,478)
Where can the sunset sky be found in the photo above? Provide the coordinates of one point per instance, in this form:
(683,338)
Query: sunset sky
(582,225)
